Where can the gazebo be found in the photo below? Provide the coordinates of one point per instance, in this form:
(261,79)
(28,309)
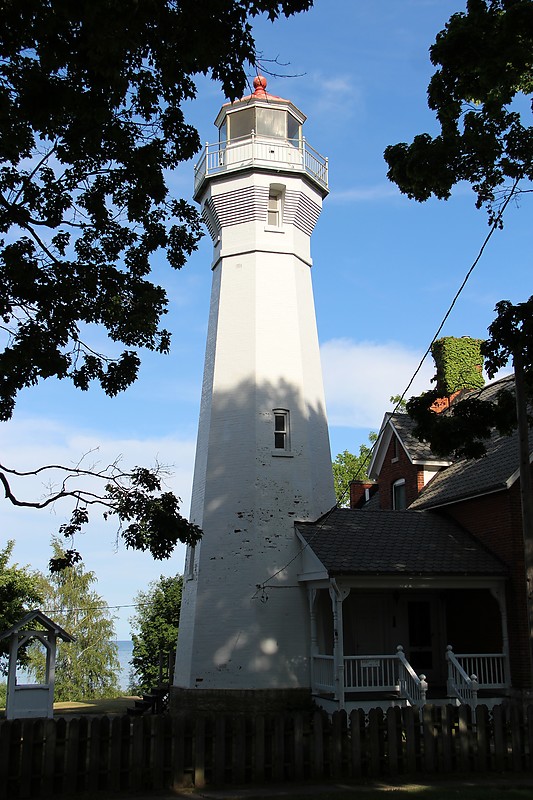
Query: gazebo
(32,699)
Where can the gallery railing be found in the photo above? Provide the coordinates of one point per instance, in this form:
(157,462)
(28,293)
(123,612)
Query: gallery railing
(255,151)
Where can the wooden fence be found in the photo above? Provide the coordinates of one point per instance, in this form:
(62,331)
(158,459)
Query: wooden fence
(70,755)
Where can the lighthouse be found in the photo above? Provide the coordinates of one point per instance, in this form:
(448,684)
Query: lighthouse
(263,459)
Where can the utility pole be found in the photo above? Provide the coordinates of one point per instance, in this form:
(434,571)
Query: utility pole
(526,489)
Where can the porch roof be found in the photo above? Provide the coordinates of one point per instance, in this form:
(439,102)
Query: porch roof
(396,542)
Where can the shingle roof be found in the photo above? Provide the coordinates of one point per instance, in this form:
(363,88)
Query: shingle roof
(418,451)
(471,477)
(396,542)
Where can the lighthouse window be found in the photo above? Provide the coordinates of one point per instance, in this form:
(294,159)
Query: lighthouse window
(271,122)
(293,130)
(241,123)
(281,429)
(274,208)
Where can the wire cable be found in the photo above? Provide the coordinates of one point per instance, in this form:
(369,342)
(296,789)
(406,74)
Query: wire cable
(496,224)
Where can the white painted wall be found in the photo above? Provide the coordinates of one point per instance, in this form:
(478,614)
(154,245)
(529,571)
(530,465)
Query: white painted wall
(262,353)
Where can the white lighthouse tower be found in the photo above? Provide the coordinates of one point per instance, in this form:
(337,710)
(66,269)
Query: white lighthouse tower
(263,459)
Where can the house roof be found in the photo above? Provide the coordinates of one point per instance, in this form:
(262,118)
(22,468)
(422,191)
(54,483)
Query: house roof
(402,426)
(396,543)
(37,616)
(416,450)
(466,478)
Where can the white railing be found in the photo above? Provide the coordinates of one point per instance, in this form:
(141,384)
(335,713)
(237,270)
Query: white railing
(413,688)
(260,151)
(372,673)
(489,668)
(459,683)
(323,673)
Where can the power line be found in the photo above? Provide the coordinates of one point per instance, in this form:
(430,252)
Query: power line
(496,224)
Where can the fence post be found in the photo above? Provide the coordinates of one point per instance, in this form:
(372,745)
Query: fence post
(298,733)
(393,720)
(355,738)
(428,738)
(482,760)
(317,752)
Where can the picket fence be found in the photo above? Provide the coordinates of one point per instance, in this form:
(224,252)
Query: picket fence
(65,756)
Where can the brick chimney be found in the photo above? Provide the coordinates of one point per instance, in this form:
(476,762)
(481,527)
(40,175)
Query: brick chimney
(361,491)
(459,366)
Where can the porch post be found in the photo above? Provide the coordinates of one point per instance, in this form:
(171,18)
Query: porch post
(498,592)
(311,595)
(337,595)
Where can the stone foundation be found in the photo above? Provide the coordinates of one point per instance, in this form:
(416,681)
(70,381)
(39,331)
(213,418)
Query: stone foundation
(235,701)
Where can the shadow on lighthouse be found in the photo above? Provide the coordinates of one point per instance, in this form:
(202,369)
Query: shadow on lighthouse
(244,618)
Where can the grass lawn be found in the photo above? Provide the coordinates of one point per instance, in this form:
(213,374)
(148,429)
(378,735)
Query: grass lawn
(112,705)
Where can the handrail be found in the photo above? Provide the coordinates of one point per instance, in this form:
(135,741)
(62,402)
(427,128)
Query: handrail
(370,673)
(412,687)
(459,684)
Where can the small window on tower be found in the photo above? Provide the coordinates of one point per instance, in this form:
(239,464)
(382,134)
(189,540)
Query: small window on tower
(274,203)
(281,430)
(274,215)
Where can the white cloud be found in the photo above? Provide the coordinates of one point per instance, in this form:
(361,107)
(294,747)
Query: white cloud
(360,377)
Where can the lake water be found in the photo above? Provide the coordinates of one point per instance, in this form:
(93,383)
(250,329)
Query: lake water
(124,656)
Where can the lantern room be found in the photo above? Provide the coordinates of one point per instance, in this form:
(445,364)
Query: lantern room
(260,113)
(261,131)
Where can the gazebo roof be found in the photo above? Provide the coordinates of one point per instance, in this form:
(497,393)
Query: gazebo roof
(42,619)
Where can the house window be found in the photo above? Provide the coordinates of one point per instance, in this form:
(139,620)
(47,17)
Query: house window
(281,430)
(399,501)
(274,214)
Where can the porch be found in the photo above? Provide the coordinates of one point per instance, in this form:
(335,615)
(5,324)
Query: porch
(372,681)
(388,592)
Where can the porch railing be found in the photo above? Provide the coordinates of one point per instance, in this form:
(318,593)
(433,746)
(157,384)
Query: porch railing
(260,151)
(372,673)
(459,683)
(489,668)
(323,673)
(412,687)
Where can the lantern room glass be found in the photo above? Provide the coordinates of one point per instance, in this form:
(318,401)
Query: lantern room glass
(270,122)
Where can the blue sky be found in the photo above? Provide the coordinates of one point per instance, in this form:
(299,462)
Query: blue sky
(385,271)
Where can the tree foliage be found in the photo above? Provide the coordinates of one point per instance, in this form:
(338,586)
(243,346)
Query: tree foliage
(464,430)
(20,592)
(348,467)
(484,60)
(155,635)
(88,667)
(91,124)
(481,94)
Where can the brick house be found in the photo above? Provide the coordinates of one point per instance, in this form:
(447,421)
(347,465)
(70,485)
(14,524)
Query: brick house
(428,559)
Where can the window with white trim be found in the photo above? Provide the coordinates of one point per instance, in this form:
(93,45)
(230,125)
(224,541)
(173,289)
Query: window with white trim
(281,430)
(275,206)
(399,499)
